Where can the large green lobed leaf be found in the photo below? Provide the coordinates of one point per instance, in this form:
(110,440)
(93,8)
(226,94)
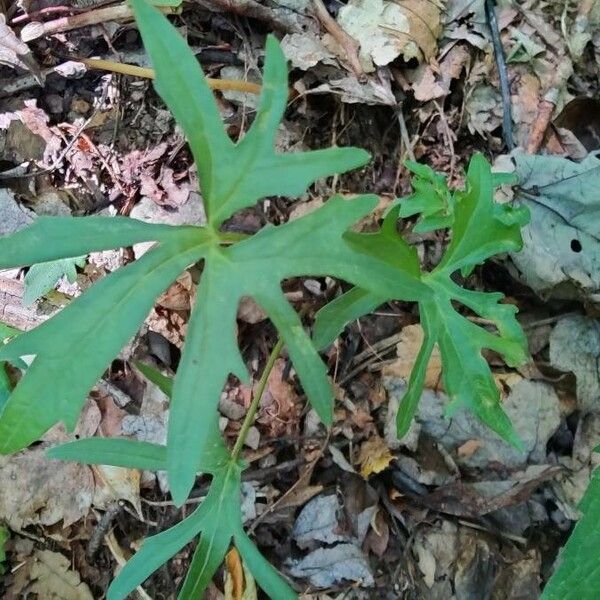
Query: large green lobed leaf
(480,229)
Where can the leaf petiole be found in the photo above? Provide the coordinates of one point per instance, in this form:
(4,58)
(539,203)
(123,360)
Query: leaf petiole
(260,390)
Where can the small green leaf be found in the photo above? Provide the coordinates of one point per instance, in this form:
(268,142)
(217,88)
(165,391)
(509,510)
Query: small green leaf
(577,576)
(432,199)
(42,277)
(113,451)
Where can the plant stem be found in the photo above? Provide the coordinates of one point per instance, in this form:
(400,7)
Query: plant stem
(262,384)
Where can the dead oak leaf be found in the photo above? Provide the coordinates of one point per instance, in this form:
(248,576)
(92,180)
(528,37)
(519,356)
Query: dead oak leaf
(374,456)
(47,575)
(387,29)
(36,490)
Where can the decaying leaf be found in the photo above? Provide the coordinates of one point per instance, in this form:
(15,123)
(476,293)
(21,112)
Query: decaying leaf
(561,254)
(387,29)
(48,575)
(326,567)
(37,490)
(575,347)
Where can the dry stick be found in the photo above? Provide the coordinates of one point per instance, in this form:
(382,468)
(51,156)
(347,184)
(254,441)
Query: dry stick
(544,116)
(35,29)
(502,74)
(233,85)
(345,40)
(262,384)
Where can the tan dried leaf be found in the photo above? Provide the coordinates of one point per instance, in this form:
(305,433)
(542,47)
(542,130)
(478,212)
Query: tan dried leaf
(35,490)
(47,575)
(117,483)
(406,351)
(279,408)
(387,29)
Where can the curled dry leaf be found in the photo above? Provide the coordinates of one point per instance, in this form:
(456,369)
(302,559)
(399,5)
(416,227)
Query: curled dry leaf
(280,408)
(14,53)
(117,483)
(374,456)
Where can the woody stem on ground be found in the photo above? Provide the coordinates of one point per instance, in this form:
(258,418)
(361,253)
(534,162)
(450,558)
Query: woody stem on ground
(233,85)
(262,384)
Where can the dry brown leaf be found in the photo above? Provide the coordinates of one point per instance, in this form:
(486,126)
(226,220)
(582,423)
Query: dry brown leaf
(170,324)
(180,295)
(234,577)
(406,350)
(280,407)
(250,312)
(47,576)
(36,490)
(374,456)
(117,483)
(469,448)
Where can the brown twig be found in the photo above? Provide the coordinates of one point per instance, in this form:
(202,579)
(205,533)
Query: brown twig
(35,29)
(233,85)
(540,125)
(101,529)
(345,40)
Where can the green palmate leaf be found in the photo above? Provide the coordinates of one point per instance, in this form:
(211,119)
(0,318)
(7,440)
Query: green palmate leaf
(255,267)
(577,576)
(233,176)
(41,278)
(480,229)
(74,348)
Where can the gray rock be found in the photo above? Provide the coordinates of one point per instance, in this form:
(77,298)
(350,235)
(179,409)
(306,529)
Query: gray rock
(14,216)
(532,406)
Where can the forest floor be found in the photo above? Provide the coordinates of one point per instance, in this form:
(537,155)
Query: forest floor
(450,511)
